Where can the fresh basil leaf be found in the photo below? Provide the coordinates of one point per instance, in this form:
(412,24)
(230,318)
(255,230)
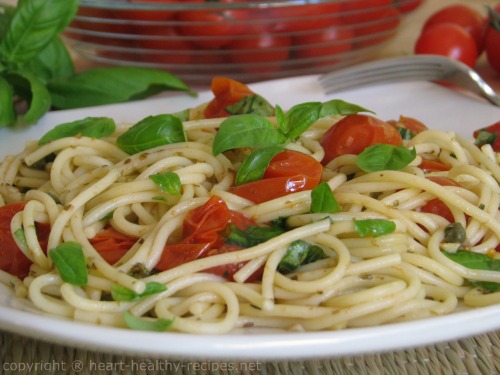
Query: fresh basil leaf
(6,14)
(183,115)
(485,137)
(246,131)
(252,235)
(7,112)
(169,182)
(33,26)
(146,324)
(151,132)
(20,236)
(255,164)
(299,253)
(406,134)
(33,90)
(374,227)
(477,261)
(383,156)
(255,104)
(301,116)
(70,261)
(99,86)
(323,200)
(120,293)
(280,119)
(454,233)
(92,127)
(52,62)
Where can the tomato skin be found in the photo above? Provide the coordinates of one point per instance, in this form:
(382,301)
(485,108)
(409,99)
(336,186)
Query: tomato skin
(12,259)
(353,133)
(165,42)
(406,6)
(203,235)
(433,166)
(492,40)
(287,173)
(468,18)
(331,41)
(262,53)
(295,19)
(410,123)
(380,25)
(448,39)
(226,92)
(437,206)
(111,244)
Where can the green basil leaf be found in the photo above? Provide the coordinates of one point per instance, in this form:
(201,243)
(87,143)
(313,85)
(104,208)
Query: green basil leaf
(383,156)
(301,116)
(169,182)
(255,164)
(7,112)
(299,253)
(120,293)
(485,137)
(153,131)
(146,324)
(405,133)
(323,200)
(20,236)
(252,235)
(70,261)
(99,86)
(374,227)
(52,62)
(183,115)
(246,131)
(255,104)
(93,127)
(33,26)
(6,14)
(33,90)
(280,119)
(477,261)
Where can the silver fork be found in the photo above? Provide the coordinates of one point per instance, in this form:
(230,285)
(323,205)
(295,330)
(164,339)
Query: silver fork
(409,68)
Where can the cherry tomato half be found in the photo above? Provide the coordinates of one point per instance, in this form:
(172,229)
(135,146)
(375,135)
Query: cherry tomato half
(226,92)
(287,173)
(437,206)
(468,18)
(448,39)
(492,39)
(111,244)
(353,133)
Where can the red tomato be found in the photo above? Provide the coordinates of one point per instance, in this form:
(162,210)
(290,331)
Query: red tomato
(437,206)
(168,47)
(406,6)
(377,26)
(353,133)
(433,166)
(228,270)
(495,130)
(12,259)
(226,91)
(212,29)
(468,18)
(413,125)
(111,244)
(448,39)
(295,19)
(331,41)
(288,172)
(492,39)
(260,54)
(146,14)
(203,234)
(360,11)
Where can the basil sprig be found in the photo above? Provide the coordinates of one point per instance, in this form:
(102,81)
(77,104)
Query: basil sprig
(251,130)
(383,156)
(477,261)
(36,67)
(93,127)
(150,132)
(70,261)
(298,254)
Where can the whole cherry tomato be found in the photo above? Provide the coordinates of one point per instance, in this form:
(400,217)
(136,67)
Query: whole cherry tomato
(353,133)
(288,172)
(462,15)
(262,53)
(12,259)
(492,40)
(448,39)
(163,45)
(295,19)
(328,42)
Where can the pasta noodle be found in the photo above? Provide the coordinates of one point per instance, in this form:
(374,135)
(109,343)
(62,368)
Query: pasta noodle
(89,185)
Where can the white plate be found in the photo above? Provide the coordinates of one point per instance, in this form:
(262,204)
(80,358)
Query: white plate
(436,106)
